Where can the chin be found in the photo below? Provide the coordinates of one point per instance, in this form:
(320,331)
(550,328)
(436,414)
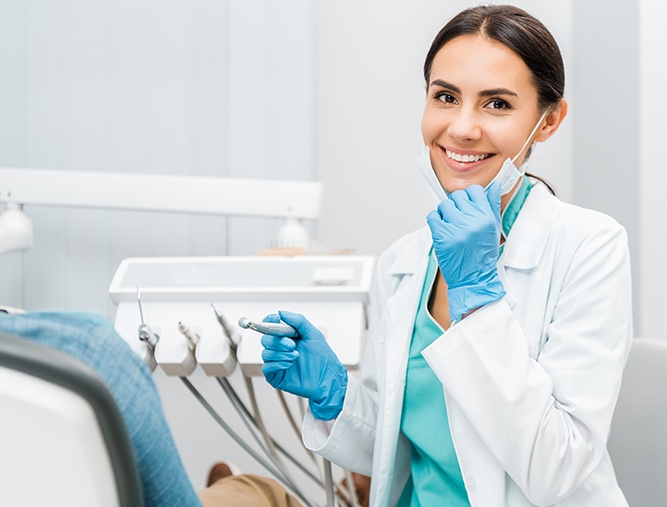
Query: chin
(457,185)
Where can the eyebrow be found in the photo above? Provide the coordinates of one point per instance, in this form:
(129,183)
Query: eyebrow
(483,93)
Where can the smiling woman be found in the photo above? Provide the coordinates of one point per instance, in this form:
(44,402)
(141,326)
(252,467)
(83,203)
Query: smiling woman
(499,332)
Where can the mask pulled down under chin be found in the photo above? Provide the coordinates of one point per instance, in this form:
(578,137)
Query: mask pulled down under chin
(508,175)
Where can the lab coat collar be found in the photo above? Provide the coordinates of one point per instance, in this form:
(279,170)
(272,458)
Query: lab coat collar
(408,261)
(530,233)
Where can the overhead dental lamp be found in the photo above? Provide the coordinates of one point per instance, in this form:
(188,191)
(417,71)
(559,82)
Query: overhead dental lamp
(292,200)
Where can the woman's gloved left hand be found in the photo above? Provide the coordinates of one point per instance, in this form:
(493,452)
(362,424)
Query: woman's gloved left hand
(305,366)
(466,238)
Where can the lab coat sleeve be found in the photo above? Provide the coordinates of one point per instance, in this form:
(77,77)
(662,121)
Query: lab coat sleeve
(546,421)
(348,441)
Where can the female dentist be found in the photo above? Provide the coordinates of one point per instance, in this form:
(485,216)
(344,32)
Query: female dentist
(499,331)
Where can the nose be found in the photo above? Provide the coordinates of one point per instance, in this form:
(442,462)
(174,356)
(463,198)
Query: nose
(465,125)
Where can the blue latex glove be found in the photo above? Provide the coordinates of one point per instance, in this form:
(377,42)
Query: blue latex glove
(466,238)
(306,366)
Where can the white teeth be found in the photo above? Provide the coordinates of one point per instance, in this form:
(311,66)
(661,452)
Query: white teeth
(466,158)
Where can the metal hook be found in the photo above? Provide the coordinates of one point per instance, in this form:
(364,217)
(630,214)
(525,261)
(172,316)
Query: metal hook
(146,334)
(141,313)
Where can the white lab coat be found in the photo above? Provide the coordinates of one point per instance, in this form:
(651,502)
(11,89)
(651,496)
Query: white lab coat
(530,381)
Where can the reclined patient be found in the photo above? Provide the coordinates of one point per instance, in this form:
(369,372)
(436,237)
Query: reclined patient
(91,339)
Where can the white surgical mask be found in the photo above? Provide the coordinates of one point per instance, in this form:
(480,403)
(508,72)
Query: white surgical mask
(431,179)
(508,175)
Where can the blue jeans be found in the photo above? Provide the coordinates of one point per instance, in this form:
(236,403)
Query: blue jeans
(92,340)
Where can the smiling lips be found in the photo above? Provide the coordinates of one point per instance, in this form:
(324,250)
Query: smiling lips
(466,158)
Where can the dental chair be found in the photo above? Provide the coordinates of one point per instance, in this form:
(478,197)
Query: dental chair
(63,441)
(638,438)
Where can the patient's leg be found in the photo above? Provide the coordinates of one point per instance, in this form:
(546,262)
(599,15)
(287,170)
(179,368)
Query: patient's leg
(246,490)
(91,339)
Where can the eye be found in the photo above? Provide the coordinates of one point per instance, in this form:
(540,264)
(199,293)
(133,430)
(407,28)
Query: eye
(498,105)
(445,97)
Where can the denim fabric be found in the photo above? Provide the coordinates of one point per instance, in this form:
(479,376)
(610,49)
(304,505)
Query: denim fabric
(92,339)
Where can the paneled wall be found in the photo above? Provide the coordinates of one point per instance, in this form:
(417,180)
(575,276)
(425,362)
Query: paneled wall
(607,174)
(651,160)
(214,88)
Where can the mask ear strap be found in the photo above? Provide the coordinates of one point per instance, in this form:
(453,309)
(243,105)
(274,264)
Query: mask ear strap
(530,137)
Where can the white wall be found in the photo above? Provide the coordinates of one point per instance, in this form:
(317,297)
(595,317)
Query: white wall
(653,181)
(172,87)
(607,173)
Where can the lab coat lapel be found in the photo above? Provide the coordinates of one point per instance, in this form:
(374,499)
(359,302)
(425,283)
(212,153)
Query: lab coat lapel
(410,266)
(528,237)
(527,240)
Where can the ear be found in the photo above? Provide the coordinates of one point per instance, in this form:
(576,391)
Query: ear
(552,121)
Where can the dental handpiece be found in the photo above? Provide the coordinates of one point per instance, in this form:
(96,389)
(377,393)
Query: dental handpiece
(190,335)
(232,333)
(276,329)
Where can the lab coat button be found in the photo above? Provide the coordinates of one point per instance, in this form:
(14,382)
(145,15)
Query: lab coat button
(472,485)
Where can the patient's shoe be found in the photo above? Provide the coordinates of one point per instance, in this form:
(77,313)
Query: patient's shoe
(220,471)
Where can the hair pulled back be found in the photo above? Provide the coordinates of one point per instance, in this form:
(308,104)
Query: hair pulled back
(519,31)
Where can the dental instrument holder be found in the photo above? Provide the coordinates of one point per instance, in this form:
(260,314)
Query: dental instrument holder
(175,353)
(148,339)
(332,291)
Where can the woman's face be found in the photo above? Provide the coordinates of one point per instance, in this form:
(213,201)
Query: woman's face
(481,107)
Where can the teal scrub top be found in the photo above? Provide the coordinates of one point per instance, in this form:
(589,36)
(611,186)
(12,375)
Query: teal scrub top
(436,477)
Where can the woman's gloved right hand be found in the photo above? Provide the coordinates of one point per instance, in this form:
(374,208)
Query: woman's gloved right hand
(466,238)
(305,366)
